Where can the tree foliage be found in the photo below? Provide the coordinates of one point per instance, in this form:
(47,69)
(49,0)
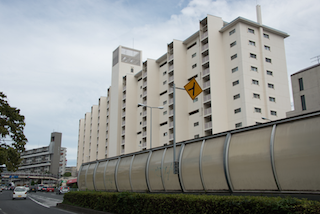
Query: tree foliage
(12,138)
(67,174)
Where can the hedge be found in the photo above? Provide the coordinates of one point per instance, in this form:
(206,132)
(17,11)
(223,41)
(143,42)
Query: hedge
(143,203)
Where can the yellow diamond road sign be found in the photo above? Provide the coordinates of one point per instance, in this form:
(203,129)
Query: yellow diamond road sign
(193,88)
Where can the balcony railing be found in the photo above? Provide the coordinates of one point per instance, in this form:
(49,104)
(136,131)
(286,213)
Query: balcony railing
(144,134)
(204,35)
(208,125)
(144,84)
(204,47)
(144,74)
(205,71)
(207,111)
(206,97)
(206,58)
(170,57)
(171,78)
(170,67)
(206,84)
(171,112)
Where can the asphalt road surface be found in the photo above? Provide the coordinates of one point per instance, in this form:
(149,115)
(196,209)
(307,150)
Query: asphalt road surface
(36,203)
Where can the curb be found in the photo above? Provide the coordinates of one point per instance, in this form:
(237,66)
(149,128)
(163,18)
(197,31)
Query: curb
(79,210)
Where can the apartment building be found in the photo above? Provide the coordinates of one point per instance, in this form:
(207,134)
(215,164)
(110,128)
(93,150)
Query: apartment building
(49,159)
(240,66)
(306,90)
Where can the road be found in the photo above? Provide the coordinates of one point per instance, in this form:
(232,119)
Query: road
(40,202)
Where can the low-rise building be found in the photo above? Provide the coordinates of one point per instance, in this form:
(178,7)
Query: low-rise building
(306,90)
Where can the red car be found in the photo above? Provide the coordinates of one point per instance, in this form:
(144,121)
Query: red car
(50,189)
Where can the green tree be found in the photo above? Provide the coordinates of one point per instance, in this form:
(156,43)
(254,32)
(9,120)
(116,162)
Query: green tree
(12,138)
(67,174)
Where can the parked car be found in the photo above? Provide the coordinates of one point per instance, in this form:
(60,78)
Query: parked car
(43,189)
(40,187)
(27,187)
(63,190)
(19,192)
(33,189)
(50,189)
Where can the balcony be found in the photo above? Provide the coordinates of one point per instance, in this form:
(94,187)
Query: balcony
(144,134)
(170,57)
(144,102)
(205,72)
(207,111)
(204,47)
(123,142)
(124,96)
(144,84)
(170,89)
(205,59)
(144,113)
(170,124)
(206,84)
(144,93)
(123,132)
(204,35)
(208,125)
(171,112)
(124,88)
(170,101)
(123,114)
(170,67)
(206,97)
(170,136)
(144,123)
(171,78)
(144,74)
(144,144)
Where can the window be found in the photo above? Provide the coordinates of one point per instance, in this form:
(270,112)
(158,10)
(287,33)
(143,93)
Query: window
(270,85)
(266,36)
(234,69)
(131,70)
(258,110)
(237,96)
(193,112)
(195,65)
(164,102)
(254,56)
(196,124)
(303,103)
(164,73)
(268,60)
(164,82)
(238,110)
(233,57)
(196,136)
(267,48)
(270,73)
(194,55)
(252,43)
(235,82)
(238,125)
(272,99)
(257,96)
(301,84)
(232,32)
(195,99)
(250,30)
(254,68)
(191,45)
(165,134)
(162,124)
(255,82)
(165,112)
(274,113)
(233,44)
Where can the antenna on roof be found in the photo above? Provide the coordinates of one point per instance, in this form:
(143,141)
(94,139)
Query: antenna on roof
(316,58)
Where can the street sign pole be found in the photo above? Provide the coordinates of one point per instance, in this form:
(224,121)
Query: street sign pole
(175,170)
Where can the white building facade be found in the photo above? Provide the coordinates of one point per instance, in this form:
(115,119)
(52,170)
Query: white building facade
(240,66)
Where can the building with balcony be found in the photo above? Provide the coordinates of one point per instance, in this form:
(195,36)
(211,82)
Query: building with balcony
(306,90)
(50,159)
(240,66)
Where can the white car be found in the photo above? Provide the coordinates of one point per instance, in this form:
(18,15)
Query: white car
(27,187)
(19,192)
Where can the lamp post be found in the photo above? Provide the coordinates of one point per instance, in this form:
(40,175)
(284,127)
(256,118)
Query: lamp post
(151,107)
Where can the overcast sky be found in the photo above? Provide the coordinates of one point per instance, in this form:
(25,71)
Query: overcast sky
(55,56)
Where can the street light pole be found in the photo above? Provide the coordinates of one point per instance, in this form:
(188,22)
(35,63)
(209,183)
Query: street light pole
(159,107)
